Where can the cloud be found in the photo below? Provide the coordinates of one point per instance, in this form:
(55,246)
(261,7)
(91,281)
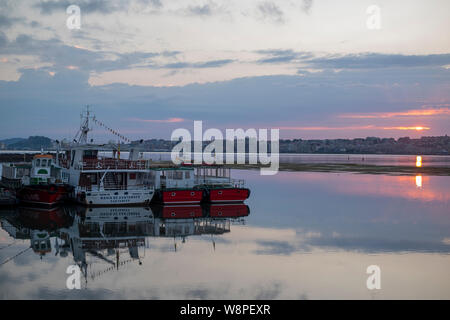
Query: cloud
(352,61)
(86,6)
(170,120)
(379,60)
(7,22)
(59,55)
(207,64)
(270,11)
(306,6)
(292,102)
(350,128)
(153,3)
(282,56)
(407,113)
(204,10)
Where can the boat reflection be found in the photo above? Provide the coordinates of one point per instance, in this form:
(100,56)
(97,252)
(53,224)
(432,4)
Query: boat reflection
(116,235)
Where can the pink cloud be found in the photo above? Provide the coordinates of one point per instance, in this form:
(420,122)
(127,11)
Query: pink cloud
(416,128)
(408,113)
(170,120)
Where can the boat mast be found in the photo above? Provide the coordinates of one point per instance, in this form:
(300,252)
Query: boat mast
(82,135)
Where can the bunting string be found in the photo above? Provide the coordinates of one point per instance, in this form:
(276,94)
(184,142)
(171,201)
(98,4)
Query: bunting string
(101,124)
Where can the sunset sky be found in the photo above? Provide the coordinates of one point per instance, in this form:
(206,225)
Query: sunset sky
(312,68)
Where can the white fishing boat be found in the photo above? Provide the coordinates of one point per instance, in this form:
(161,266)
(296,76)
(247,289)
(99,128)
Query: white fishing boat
(103,180)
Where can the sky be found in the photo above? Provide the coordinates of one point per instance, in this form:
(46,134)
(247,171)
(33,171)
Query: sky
(312,68)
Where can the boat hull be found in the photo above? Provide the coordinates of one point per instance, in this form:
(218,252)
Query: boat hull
(227,195)
(180,212)
(179,196)
(46,195)
(231,210)
(115,197)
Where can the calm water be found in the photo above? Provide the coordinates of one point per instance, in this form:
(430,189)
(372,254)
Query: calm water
(373,159)
(307,236)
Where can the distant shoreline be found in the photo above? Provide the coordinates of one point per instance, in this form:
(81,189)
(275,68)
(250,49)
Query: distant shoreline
(364,168)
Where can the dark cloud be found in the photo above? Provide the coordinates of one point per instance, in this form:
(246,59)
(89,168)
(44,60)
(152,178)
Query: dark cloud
(353,61)
(275,248)
(306,6)
(207,64)
(153,3)
(378,60)
(60,55)
(7,22)
(204,10)
(282,56)
(372,245)
(271,11)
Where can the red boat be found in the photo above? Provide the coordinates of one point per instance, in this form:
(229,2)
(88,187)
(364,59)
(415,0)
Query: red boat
(175,185)
(47,194)
(229,194)
(218,186)
(182,212)
(44,186)
(179,196)
(45,218)
(228,210)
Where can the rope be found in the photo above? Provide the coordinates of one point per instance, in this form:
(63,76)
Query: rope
(8,245)
(13,257)
(111,130)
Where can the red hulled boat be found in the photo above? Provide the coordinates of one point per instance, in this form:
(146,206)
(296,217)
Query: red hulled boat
(228,210)
(218,186)
(44,186)
(175,185)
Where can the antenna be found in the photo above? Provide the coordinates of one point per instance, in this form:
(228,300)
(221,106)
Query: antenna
(82,135)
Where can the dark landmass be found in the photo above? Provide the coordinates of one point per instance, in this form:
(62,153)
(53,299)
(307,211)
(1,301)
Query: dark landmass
(371,145)
(32,143)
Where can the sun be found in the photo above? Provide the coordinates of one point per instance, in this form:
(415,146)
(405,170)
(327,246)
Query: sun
(419,128)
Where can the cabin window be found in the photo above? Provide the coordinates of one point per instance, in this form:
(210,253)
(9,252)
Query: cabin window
(187,175)
(90,153)
(177,175)
(132,176)
(38,162)
(43,162)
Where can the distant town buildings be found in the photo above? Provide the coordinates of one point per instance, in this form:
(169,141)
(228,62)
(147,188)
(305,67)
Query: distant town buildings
(370,145)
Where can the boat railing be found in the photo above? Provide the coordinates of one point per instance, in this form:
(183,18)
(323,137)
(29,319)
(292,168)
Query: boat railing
(137,187)
(237,183)
(113,164)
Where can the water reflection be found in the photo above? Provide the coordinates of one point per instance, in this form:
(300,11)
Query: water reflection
(419,181)
(310,235)
(115,236)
